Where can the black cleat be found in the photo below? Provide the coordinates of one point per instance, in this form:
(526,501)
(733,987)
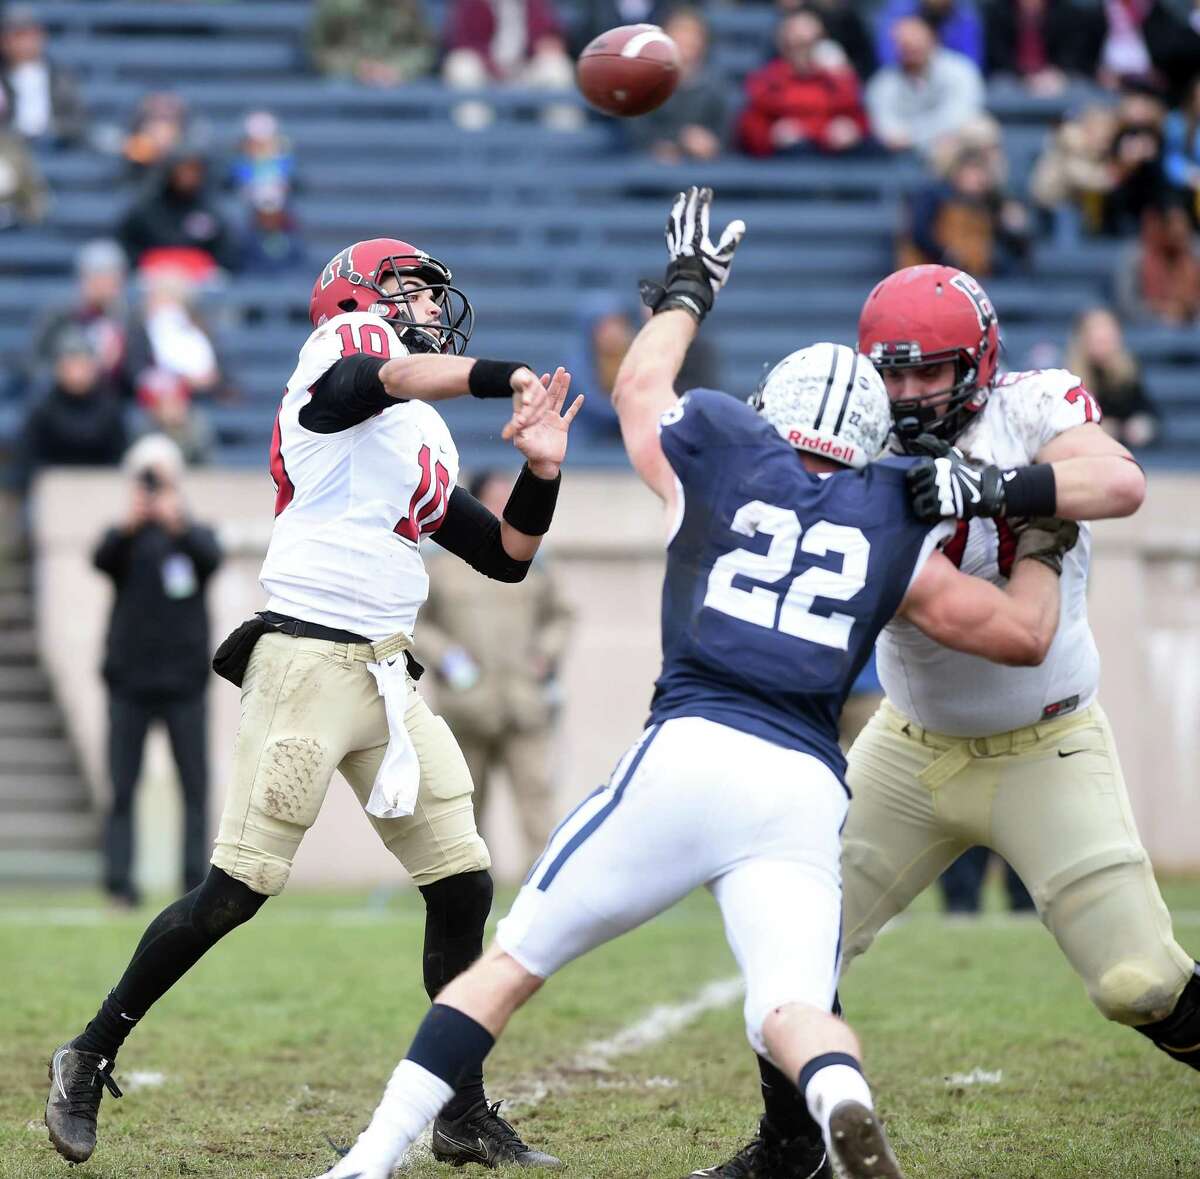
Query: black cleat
(77,1082)
(482,1136)
(860,1147)
(767,1156)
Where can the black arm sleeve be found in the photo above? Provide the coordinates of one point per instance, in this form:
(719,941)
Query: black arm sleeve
(348,393)
(471,532)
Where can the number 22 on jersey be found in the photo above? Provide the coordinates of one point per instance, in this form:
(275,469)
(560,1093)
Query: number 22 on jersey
(761,606)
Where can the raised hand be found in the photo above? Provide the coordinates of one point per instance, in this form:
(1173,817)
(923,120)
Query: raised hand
(697,269)
(531,398)
(543,441)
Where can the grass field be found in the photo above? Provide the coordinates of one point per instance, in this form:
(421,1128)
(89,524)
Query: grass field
(289,1029)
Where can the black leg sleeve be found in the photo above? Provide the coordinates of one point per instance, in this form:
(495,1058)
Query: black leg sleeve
(784,1104)
(173,943)
(456,911)
(1179,1034)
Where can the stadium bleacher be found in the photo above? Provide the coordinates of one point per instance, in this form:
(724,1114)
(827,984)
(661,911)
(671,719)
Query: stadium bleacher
(528,218)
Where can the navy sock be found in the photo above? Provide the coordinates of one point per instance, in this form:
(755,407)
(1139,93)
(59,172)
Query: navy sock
(450,1044)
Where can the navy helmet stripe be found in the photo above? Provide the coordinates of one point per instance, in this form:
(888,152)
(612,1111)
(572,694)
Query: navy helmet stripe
(828,386)
(588,829)
(837,426)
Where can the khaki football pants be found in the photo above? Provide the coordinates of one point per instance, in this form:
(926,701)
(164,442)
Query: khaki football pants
(1051,800)
(309,707)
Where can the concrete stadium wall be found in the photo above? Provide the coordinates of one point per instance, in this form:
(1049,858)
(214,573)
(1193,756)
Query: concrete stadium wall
(607,545)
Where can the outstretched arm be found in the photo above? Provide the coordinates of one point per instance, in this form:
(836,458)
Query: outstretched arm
(1082,474)
(645,385)
(1095,477)
(645,390)
(356,387)
(1014,625)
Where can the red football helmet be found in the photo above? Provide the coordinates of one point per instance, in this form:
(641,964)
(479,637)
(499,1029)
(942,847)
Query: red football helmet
(926,315)
(353,281)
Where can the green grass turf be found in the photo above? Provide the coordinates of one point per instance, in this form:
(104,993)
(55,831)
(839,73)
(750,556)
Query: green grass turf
(289,1029)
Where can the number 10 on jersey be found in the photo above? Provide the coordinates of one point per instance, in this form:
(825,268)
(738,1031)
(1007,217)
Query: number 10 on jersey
(761,606)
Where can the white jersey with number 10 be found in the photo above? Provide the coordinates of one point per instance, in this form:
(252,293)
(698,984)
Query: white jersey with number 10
(963,695)
(352,506)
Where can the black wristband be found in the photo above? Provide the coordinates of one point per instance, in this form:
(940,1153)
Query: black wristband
(531,502)
(1030,491)
(685,287)
(492,378)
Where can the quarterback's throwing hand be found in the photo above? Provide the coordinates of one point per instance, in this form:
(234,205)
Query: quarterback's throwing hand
(697,269)
(530,400)
(945,486)
(543,441)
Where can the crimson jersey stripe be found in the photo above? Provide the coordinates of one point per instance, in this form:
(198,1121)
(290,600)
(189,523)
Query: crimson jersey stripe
(285,490)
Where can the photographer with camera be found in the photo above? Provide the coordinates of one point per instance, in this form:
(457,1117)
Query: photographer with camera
(157,655)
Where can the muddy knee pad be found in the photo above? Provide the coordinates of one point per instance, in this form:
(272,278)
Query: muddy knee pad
(1178,1035)
(456,911)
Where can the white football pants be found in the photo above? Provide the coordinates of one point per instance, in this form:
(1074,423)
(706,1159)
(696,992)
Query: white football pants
(696,803)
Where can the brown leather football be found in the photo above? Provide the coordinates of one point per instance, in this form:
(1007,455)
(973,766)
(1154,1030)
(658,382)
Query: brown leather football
(628,70)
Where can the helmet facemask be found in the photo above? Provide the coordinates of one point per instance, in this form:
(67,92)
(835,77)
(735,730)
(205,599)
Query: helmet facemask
(448,334)
(944,414)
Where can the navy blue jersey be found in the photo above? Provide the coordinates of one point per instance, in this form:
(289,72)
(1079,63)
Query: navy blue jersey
(778,580)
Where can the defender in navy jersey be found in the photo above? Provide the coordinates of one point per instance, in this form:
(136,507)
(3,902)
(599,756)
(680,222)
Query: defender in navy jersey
(787,556)
(778,662)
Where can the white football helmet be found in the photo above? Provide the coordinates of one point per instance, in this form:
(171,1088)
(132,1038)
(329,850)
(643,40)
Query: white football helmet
(829,400)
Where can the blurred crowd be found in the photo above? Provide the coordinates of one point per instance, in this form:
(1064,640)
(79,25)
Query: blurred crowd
(131,352)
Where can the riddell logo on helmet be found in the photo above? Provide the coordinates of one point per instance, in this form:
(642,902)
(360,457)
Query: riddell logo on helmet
(842,452)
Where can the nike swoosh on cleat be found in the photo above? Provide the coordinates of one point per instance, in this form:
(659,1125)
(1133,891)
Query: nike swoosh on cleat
(1071,752)
(478,1150)
(58,1074)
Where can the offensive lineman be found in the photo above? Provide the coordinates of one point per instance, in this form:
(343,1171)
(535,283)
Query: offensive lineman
(963,752)
(787,554)
(364,467)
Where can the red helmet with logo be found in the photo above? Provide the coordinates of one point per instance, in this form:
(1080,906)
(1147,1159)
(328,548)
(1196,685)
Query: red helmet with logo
(927,315)
(353,280)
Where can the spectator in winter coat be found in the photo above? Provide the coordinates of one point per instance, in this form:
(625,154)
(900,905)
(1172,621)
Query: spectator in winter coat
(1160,279)
(170,335)
(796,104)
(177,212)
(955,24)
(158,127)
(517,41)
(967,221)
(41,100)
(156,661)
(98,308)
(77,421)
(845,27)
(1098,356)
(1042,42)
(1182,156)
(691,124)
(929,93)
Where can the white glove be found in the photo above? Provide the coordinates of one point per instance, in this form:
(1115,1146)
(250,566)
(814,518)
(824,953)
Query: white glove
(697,269)
(687,235)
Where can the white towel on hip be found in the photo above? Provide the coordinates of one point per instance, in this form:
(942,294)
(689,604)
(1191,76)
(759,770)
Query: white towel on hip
(394,791)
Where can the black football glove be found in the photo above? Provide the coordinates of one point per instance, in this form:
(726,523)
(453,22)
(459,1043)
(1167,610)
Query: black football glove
(943,485)
(697,269)
(1046,539)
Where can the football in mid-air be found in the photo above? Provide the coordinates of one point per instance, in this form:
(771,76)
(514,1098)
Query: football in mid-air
(629,70)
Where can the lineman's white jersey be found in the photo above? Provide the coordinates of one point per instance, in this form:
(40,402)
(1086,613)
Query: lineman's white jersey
(964,695)
(352,506)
